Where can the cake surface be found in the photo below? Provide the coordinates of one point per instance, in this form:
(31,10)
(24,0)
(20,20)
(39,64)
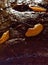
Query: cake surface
(17,48)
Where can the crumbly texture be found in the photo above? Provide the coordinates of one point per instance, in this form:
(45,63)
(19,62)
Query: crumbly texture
(18,46)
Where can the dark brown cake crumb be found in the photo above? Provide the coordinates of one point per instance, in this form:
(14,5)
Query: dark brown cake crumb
(19,49)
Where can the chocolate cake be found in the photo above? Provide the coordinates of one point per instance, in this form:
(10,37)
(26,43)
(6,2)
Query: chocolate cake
(24,32)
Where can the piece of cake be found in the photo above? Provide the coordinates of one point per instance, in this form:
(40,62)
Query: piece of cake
(24,33)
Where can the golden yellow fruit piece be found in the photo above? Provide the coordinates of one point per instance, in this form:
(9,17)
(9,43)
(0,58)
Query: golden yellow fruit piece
(34,31)
(37,8)
(4,37)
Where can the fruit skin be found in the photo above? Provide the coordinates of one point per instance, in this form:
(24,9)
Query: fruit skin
(34,31)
